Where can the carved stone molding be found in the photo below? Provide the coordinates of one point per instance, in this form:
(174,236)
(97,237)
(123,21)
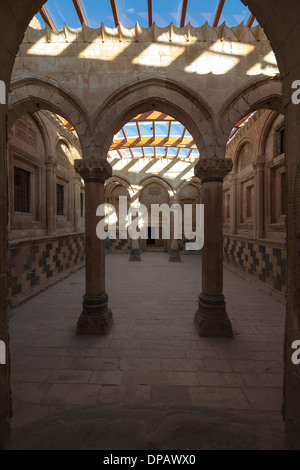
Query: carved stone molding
(93,169)
(259,164)
(213,169)
(50,162)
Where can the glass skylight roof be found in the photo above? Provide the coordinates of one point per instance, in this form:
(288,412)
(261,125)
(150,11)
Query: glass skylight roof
(164,12)
(96,12)
(200,11)
(129,12)
(154,135)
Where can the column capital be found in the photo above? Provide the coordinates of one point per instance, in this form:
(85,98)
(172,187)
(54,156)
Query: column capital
(260,163)
(77,179)
(213,169)
(50,162)
(93,169)
(232,178)
(174,200)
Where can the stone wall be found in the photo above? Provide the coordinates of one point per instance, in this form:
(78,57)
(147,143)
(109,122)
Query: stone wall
(35,264)
(264,261)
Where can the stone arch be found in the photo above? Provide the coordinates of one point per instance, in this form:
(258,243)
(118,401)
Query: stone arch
(244,155)
(32,94)
(154,191)
(30,130)
(153,94)
(63,152)
(180,193)
(114,181)
(264,93)
(158,180)
(43,129)
(237,155)
(265,132)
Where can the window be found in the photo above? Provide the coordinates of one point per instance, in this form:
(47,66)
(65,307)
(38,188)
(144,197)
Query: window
(60,199)
(21,190)
(81,204)
(280,141)
(249,201)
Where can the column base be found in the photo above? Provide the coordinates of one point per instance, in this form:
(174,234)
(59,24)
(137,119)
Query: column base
(135,255)
(174,256)
(211,318)
(96,317)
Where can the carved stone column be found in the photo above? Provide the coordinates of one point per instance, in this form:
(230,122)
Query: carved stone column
(5,395)
(233,204)
(174,256)
(259,168)
(135,253)
(96,316)
(211,318)
(51,164)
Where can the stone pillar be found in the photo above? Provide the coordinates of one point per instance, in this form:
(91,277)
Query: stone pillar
(77,208)
(5,399)
(233,204)
(211,318)
(96,317)
(259,168)
(51,164)
(174,256)
(135,254)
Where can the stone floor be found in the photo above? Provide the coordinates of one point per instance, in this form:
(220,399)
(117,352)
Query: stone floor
(152,383)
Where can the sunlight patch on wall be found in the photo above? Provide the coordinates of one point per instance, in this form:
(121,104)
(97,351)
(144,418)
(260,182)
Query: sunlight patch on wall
(159,55)
(176,170)
(109,51)
(139,165)
(43,48)
(220,58)
(120,165)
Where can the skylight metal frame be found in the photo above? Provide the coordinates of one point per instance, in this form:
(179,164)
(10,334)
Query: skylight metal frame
(150,12)
(48,18)
(115,11)
(114,7)
(80,12)
(183,13)
(218,13)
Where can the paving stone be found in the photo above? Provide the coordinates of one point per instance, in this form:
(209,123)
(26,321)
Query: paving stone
(30,375)
(263,380)
(220,398)
(77,394)
(70,376)
(170,395)
(218,379)
(125,394)
(30,392)
(264,398)
(144,378)
(107,378)
(152,356)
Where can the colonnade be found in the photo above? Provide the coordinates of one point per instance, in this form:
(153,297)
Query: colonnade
(211,318)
